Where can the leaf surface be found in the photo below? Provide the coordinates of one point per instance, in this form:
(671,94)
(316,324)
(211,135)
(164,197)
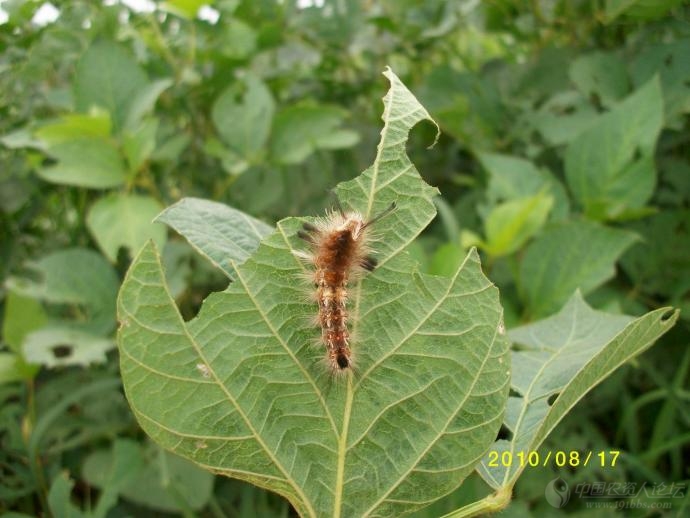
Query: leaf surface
(241,391)
(576,255)
(77,277)
(220,233)
(125,220)
(107,76)
(568,364)
(610,166)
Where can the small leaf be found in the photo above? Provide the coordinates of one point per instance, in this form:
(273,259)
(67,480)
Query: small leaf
(107,76)
(239,390)
(610,167)
(668,60)
(14,368)
(77,277)
(85,162)
(238,40)
(144,101)
(96,124)
(551,362)
(222,234)
(123,468)
(510,224)
(138,144)
(601,75)
(446,260)
(153,478)
(244,121)
(55,347)
(183,8)
(300,130)
(512,177)
(563,117)
(578,254)
(22,315)
(660,263)
(59,500)
(124,220)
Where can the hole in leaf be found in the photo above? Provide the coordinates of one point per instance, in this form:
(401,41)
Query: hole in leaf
(552,398)
(666,317)
(62,350)
(504,433)
(514,393)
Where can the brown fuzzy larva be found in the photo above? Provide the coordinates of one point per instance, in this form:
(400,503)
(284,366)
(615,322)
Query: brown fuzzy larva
(340,249)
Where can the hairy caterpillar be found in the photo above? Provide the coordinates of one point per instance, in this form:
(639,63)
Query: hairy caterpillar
(340,249)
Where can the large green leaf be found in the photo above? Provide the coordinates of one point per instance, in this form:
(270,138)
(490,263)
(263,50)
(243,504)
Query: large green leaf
(226,236)
(107,76)
(125,220)
(610,166)
(575,255)
(551,362)
(85,162)
(240,390)
(244,119)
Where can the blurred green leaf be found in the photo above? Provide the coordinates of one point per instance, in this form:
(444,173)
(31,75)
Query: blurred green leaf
(669,61)
(244,120)
(123,469)
(510,224)
(143,102)
(610,167)
(601,75)
(512,177)
(149,476)
(85,162)
(575,255)
(659,265)
(22,315)
(138,144)
(265,414)
(640,9)
(562,117)
(59,499)
(95,124)
(552,363)
(300,130)
(446,260)
(184,8)
(13,367)
(124,220)
(220,233)
(59,346)
(107,76)
(79,278)
(239,39)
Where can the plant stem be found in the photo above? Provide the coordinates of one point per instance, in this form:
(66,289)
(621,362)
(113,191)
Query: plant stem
(490,504)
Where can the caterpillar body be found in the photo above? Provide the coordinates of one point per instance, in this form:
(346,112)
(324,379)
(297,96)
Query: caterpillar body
(340,251)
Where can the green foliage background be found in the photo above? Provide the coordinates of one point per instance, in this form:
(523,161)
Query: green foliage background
(564,157)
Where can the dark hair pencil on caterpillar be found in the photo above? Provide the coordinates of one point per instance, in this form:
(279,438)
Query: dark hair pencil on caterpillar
(340,244)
